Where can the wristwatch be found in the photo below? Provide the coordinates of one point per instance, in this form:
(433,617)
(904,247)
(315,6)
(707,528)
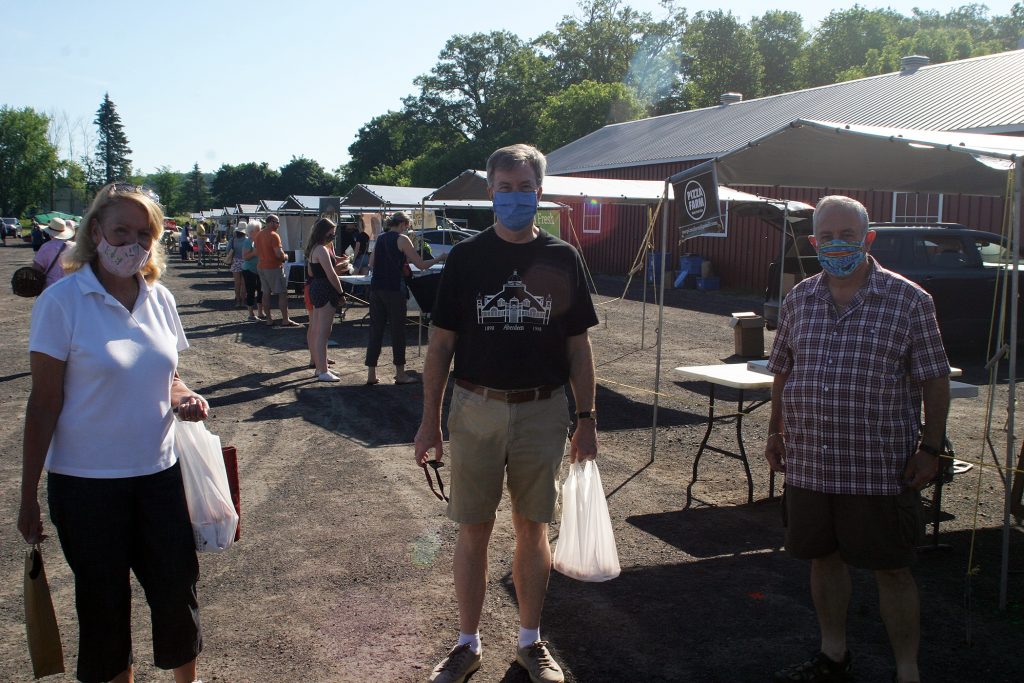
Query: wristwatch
(928,449)
(586,415)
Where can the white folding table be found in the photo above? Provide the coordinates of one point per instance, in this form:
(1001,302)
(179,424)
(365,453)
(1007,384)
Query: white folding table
(734,376)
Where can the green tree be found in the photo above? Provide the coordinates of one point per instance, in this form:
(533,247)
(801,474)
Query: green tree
(390,139)
(244,184)
(1009,30)
(780,39)
(28,161)
(721,56)
(840,46)
(305,176)
(195,195)
(168,185)
(72,176)
(112,150)
(486,86)
(612,43)
(583,108)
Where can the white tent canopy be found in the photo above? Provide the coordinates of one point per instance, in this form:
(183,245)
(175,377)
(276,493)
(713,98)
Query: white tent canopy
(387,197)
(472,185)
(812,153)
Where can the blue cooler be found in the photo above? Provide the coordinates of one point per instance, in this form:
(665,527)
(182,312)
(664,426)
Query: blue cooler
(654,266)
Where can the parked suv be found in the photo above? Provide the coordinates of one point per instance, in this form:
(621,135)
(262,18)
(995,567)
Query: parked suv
(10,226)
(956,265)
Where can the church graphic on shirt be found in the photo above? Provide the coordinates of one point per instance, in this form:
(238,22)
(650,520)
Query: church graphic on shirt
(513,305)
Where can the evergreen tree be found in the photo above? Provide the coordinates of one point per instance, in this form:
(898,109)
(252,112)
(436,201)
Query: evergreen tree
(112,149)
(195,195)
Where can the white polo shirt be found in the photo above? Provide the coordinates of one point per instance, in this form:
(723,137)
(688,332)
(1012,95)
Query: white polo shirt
(116,421)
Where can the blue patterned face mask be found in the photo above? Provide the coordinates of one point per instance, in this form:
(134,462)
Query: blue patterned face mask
(515,210)
(839,258)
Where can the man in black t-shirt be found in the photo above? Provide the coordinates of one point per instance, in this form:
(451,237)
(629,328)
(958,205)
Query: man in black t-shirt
(513,309)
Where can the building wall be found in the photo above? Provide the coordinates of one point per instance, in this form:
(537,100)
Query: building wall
(742,258)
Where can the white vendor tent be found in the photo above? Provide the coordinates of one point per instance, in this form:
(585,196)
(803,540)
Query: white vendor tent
(472,185)
(298,213)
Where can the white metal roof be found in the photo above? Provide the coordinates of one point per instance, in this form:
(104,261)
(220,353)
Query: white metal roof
(301,203)
(271,205)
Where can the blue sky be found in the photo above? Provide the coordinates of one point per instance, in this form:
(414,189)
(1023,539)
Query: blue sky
(218,81)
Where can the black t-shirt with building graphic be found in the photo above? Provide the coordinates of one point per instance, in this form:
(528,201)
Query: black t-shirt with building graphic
(513,306)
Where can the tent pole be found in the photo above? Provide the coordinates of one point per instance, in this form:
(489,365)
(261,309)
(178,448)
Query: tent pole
(661,316)
(1011,408)
(643,309)
(419,317)
(782,258)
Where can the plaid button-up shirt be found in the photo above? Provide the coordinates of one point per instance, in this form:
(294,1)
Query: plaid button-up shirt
(852,400)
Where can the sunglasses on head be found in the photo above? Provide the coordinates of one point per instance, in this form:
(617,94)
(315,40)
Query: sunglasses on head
(436,465)
(123,186)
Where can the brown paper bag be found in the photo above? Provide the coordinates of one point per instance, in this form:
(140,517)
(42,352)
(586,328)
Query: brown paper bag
(40,621)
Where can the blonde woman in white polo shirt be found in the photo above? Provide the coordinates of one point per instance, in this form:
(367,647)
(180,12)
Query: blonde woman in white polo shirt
(104,353)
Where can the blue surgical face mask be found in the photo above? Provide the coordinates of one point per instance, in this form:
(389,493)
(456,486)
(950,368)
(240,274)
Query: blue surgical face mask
(839,258)
(515,210)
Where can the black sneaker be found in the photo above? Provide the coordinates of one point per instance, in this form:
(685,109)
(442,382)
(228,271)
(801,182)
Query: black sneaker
(818,669)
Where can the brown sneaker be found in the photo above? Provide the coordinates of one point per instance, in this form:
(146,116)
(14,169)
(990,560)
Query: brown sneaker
(539,663)
(460,663)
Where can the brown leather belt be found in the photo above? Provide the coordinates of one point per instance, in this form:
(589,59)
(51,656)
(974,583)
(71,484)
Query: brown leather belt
(518,396)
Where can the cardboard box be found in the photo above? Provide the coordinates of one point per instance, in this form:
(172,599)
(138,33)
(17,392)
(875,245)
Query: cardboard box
(748,334)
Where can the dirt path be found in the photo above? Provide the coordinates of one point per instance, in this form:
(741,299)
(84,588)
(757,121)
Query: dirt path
(344,569)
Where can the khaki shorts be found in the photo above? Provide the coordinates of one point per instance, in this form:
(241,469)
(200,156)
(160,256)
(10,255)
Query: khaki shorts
(273,280)
(870,532)
(489,438)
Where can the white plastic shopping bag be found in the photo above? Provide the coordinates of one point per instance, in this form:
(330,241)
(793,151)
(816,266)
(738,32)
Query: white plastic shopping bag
(586,545)
(206,486)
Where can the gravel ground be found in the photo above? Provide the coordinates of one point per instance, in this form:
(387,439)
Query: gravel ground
(343,572)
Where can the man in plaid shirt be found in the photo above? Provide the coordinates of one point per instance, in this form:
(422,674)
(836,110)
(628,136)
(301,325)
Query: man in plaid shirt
(857,351)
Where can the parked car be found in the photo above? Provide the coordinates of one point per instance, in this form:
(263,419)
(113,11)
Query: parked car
(10,226)
(442,240)
(956,265)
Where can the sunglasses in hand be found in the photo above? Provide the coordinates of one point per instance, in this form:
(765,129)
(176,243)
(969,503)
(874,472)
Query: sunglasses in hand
(436,465)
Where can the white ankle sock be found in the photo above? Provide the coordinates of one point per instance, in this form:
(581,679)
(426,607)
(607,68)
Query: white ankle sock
(528,636)
(473,639)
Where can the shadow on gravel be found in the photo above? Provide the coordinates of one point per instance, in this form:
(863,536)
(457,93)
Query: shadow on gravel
(619,412)
(740,615)
(714,531)
(11,378)
(248,388)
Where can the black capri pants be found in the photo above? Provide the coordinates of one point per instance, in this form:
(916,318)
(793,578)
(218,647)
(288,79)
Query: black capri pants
(253,288)
(108,527)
